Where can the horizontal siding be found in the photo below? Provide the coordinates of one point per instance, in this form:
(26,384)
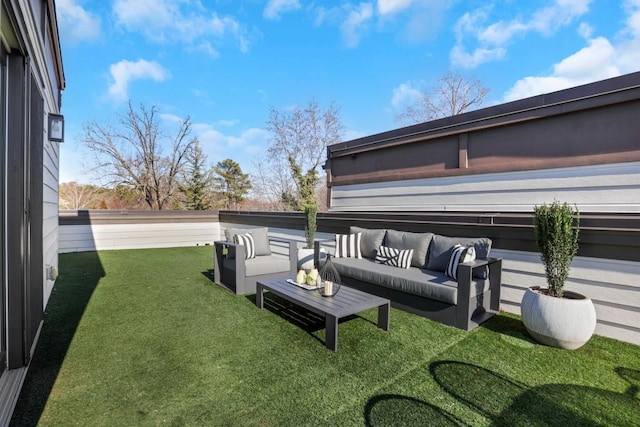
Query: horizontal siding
(601,188)
(50,199)
(79,238)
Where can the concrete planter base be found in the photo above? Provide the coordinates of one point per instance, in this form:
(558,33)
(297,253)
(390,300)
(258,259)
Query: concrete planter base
(567,322)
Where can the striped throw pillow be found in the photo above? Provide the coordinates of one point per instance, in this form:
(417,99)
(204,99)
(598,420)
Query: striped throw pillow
(460,254)
(249,244)
(394,257)
(348,245)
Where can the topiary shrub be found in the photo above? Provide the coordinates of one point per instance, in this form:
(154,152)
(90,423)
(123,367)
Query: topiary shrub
(557,239)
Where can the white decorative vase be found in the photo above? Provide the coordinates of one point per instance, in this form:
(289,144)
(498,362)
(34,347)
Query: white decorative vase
(305,259)
(567,322)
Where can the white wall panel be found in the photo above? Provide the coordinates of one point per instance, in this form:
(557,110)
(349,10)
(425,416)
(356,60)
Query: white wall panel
(601,188)
(79,238)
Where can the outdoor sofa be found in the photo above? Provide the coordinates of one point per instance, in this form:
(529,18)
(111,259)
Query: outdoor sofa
(424,288)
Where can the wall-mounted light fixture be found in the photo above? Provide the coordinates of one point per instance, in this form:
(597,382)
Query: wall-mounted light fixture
(56,127)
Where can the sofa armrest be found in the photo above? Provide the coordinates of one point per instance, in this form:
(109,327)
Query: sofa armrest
(465,275)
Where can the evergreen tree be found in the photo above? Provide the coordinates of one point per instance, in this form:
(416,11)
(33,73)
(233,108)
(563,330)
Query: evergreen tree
(197,180)
(231,182)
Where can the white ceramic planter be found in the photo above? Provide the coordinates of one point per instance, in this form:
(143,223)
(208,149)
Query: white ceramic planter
(305,259)
(567,322)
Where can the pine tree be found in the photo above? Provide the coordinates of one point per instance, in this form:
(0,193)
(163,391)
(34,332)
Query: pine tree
(231,182)
(197,180)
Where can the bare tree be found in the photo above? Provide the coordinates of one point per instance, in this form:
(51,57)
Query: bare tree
(298,146)
(453,95)
(78,196)
(133,154)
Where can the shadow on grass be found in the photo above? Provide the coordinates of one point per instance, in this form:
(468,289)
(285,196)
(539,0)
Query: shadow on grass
(209,275)
(304,319)
(79,276)
(397,410)
(505,401)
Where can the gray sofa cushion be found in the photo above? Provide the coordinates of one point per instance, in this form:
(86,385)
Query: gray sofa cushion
(425,283)
(419,242)
(370,241)
(442,246)
(260,237)
(260,265)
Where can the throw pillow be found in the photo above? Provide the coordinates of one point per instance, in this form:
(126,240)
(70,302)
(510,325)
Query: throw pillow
(460,254)
(394,257)
(348,245)
(249,244)
(260,237)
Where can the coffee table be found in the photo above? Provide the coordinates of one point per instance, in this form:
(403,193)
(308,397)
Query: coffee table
(346,302)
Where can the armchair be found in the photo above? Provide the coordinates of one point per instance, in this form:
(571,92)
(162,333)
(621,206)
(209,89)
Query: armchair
(239,275)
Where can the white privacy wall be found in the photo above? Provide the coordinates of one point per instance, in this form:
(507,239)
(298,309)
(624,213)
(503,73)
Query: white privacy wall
(80,238)
(601,188)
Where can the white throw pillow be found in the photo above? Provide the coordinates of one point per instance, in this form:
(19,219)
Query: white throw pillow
(348,245)
(394,257)
(460,254)
(249,244)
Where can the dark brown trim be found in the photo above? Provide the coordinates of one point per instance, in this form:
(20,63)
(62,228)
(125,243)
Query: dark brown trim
(85,217)
(608,236)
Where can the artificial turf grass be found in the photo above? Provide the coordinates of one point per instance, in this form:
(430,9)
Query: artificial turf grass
(157,343)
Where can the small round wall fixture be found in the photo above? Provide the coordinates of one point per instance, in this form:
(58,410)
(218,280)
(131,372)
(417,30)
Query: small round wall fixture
(329,279)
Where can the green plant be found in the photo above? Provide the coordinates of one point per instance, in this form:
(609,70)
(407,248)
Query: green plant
(557,239)
(310,228)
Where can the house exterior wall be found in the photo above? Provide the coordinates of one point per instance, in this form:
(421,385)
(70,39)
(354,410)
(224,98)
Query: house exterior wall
(31,86)
(581,145)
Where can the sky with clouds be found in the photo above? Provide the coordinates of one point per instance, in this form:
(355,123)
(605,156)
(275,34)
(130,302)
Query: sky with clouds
(227,63)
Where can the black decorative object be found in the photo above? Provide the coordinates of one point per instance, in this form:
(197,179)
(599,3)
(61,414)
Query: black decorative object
(330,279)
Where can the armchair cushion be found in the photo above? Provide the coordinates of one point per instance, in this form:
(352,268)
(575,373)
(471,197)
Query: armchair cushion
(261,265)
(260,237)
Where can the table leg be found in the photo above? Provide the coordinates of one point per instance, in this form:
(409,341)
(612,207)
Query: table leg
(331,340)
(384,316)
(259,295)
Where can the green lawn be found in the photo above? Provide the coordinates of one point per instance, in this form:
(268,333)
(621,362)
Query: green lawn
(143,337)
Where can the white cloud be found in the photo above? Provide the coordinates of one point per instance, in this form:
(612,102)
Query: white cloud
(275,8)
(405,95)
(179,21)
(389,7)
(491,39)
(124,72)
(75,23)
(355,24)
(596,61)
(243,147)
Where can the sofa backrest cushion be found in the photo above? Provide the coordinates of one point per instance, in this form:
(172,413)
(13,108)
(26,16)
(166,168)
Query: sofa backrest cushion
(442,246)
(260,237)
(370,241)
(404,240)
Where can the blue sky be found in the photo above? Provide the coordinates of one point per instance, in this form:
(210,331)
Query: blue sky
(226,63)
